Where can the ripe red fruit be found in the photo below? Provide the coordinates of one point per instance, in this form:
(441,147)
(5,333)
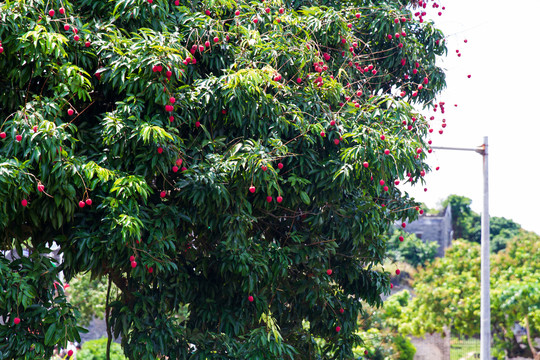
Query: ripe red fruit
(389,36)
(24,202)
(338,329)
(401,238)
(252,189)
(81,204)
(279,199)
(51,13)
(391,286)
(281,10)
(387,152)
(88,202)
(216,39)
(383,137)
(264,167)
(76,38)
(329,271)
(366,164)
(134,264)
(267,10)
(341,310)
(132,258)
(207,12)
(18,138)
(40,187)
(255,20)
(197,123)
(75,30)
(175,168)
(385,188)
(70,112)
(160,150)
(250,298)
(336,141)
(16,321)
(269,198)
(87,44)
(62,11)
(162,194)
(66,27)
(280,166)
(150,270)
(322,133)
(403,225)
(396,182)
(365,352)
(397,271)
(237,12)
(381,182)
(299,80)
(3,135)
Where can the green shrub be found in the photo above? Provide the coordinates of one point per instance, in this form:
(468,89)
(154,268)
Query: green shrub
(404,347)
(97,349)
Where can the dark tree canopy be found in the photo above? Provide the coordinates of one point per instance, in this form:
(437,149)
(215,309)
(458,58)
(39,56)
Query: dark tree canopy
(228,156)
(466,224)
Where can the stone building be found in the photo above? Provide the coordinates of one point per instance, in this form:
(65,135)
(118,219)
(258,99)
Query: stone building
(436,228)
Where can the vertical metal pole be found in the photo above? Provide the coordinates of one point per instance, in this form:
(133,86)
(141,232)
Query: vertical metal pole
(485,313)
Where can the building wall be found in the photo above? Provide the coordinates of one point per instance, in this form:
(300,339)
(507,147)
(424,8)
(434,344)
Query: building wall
(434,228)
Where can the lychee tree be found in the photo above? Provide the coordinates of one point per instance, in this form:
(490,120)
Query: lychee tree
(240,159)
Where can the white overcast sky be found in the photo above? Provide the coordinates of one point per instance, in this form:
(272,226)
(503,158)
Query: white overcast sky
(498,101)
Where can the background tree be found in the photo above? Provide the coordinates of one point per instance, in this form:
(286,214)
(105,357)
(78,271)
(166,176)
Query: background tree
(447,293)
(466,224)
(234,157)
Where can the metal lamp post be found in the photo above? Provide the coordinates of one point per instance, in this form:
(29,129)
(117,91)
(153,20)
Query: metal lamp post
(485,311)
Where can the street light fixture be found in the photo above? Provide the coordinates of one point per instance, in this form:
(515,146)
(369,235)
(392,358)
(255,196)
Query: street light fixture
(485,311)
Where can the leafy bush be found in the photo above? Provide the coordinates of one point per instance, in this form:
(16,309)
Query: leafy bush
(96,350)
(412,249)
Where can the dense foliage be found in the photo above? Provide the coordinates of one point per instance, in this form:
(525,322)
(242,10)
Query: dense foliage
(467,225)
(447,293)
(379,329)
(234,157)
